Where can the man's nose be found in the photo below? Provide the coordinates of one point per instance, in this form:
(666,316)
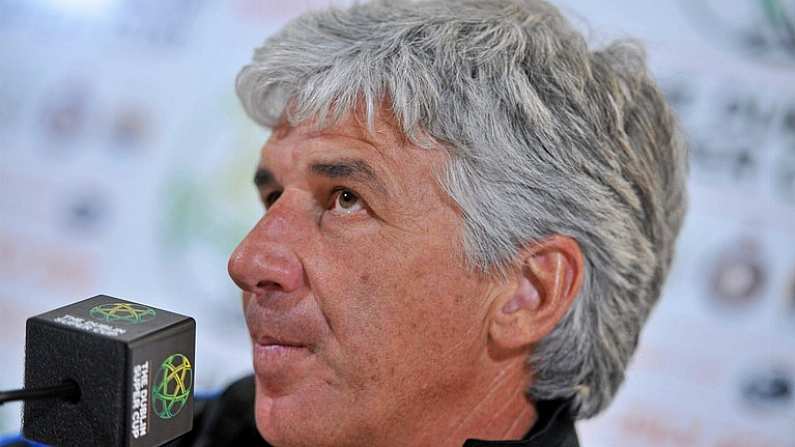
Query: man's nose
(264,260)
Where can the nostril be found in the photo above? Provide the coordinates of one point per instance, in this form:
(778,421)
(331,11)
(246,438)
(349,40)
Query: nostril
(268,286)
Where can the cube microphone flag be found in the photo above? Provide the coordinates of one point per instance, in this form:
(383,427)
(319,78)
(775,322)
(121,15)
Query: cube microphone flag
(107,372)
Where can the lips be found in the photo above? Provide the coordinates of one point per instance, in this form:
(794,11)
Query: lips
(265,340)
(276,363)
(284,340)
(270,352)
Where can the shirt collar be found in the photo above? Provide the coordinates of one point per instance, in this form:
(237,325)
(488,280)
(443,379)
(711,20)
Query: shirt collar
(553,428)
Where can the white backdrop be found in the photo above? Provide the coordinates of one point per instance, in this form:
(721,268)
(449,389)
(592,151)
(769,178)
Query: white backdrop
(126,168)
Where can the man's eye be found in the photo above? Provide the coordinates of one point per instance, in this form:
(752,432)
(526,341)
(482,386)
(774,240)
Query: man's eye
(271,198)
(345,201)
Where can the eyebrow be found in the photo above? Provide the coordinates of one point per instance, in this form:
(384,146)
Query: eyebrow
(352,168)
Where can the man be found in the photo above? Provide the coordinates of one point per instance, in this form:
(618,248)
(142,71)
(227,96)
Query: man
(468,217)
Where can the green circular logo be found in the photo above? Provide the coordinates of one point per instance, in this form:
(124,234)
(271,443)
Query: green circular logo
(126,312)
(172,385)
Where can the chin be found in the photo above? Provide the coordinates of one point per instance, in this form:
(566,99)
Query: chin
(299,418)
(278,419)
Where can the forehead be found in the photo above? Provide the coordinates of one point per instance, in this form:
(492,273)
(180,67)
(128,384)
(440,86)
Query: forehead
(384,147)
(289,145)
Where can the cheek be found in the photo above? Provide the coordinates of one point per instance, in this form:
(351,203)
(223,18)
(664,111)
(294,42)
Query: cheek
(395,305)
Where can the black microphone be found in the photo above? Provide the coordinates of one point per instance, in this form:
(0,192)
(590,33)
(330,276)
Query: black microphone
(107,372)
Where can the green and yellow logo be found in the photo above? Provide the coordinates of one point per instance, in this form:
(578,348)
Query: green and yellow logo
(126,312)
(172,386)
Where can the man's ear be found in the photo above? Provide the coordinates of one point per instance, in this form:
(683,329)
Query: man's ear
(547,281)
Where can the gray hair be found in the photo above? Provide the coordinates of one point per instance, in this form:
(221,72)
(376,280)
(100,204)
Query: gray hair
(546,137)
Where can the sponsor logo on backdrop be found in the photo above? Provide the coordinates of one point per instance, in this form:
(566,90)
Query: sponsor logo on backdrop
(130,128)
(738,276)
(73,111)
(760,29)
(64,112)
(769,389)
(86,213)
(738,136)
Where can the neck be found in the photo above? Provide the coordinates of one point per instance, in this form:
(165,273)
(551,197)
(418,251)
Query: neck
(499,410)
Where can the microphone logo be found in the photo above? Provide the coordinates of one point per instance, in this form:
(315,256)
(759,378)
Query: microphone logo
(122,312)
(172,386)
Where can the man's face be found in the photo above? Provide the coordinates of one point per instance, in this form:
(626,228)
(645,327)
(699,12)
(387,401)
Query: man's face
(366,325)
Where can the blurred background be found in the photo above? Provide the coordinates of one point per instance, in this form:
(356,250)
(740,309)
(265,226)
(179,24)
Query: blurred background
(126,166)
